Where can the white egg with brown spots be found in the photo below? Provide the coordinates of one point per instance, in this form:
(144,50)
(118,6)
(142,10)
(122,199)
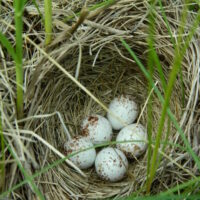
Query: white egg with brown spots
(84,159)
(97,128)
(125,111)
(136,137)
(111,164)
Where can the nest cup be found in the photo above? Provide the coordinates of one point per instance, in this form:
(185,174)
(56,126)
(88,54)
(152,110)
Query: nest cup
(107,70)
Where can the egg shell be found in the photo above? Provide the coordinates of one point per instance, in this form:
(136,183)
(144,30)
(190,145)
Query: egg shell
(83,159)
(111,164)
(125,109)
(132,132)
(97,128)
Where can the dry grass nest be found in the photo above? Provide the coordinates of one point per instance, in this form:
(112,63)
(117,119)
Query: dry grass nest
(55,103)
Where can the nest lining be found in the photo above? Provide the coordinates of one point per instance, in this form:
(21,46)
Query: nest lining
(110,77)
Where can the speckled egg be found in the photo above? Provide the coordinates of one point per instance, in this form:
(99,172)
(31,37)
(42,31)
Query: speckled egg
(111,164)
(97,128)
(132,132)
(83,159)
(125,109)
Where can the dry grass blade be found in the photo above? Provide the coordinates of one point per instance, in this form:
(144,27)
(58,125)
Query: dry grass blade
(65,35)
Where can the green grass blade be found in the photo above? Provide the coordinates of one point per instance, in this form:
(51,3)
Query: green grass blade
(17,54)
(151,44)
(189,183)
(19,8)
(173,119)
(149,105)
(159,68)
(179,41)
(195,25)
(167,197)
(149,130)
(19,80)
(28,178)
(174,45)
(6,43)
(173,74)
(166,139)
(167,24)
(181,29)
(105,3)
(151,60)
(38,9)
(48,21)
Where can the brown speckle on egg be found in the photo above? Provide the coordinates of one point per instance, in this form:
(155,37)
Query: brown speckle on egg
(85,131)
(93,119)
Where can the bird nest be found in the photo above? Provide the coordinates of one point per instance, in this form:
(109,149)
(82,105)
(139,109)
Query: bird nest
(80,76)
